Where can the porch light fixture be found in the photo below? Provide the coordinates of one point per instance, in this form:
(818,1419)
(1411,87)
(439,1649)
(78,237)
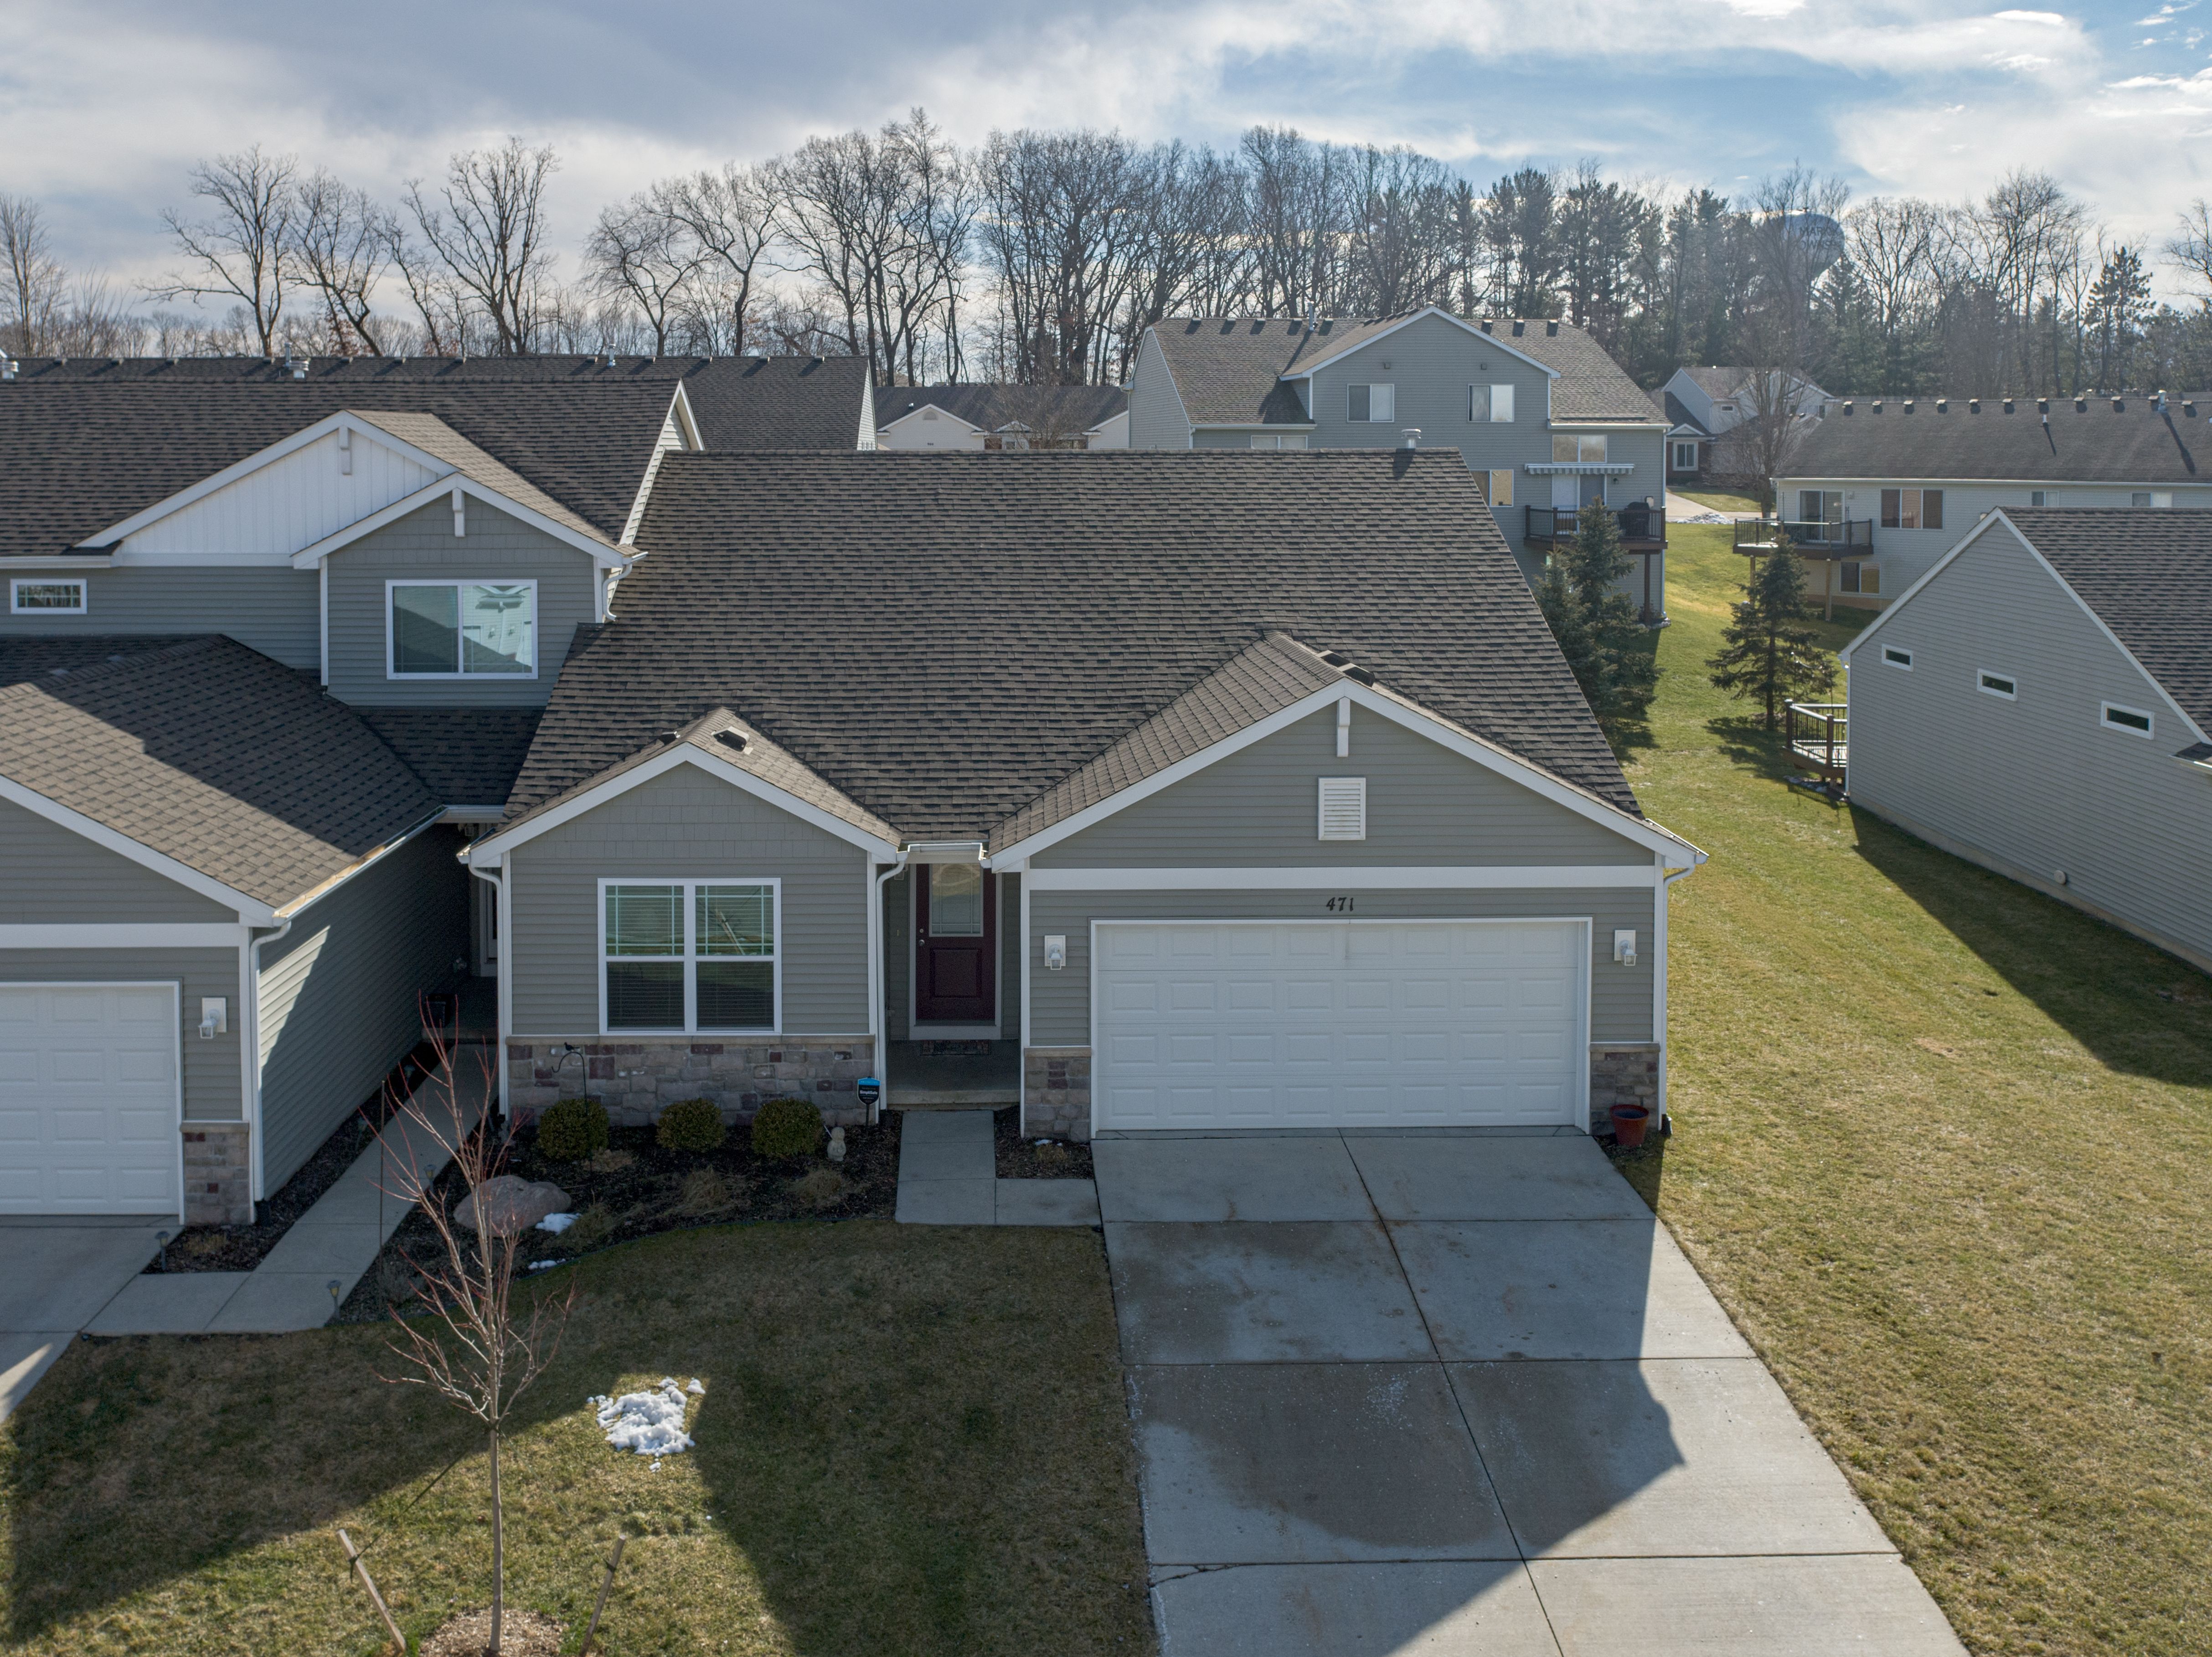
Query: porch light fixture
(1055,951)
(1624,947)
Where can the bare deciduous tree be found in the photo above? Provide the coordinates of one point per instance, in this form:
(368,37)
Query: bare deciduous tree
(342,242)
(639,256)
(2190,247)
(730,217)
(490,236)
(244,247)
(36,301)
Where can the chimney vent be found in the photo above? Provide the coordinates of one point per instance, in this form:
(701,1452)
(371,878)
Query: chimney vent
(2043,405)
(1973,405)
(1413,438)
(2007,405)
(1486,325)
(2081,405)
(1942,405)
(2117,405)
(1847,405)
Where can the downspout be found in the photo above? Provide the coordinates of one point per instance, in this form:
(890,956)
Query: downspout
(1659,940)
(877,984)
(498,884)
(249,1056)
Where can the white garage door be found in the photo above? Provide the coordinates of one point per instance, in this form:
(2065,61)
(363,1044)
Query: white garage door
(1340,1023)
(88,1102)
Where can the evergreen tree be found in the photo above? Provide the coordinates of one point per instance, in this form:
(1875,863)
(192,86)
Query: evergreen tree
(1606,644)
(1771,651)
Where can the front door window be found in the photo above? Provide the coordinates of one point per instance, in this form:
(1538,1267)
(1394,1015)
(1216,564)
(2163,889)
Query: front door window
(954,944)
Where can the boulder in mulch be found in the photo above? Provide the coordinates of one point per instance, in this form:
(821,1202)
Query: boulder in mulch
(509,1203)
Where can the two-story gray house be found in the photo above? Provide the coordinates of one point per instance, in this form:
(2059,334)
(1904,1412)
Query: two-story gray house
(2040,703)
(1544,417)
(1879,490)
(1705,405)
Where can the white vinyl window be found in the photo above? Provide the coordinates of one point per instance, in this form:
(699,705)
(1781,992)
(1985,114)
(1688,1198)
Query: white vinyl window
(36,596)
(1685,456)
(1344,808)
(680,957)
(1894,657)
(2115,716)
(1501,489)
(2159,498)
(1490,404)
(1997,685)
(2039,497)
(1373,404)
(1279,440)
(1570,448)
(460,630)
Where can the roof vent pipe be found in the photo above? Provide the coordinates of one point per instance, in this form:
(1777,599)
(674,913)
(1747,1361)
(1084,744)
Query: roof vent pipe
(1413,438)
(1519,328)
(1486,325)
(2007,406)
(1973,405)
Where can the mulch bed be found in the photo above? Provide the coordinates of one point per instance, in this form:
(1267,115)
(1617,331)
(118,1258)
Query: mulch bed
(1036,1159)
(242,1247)
(634,1189)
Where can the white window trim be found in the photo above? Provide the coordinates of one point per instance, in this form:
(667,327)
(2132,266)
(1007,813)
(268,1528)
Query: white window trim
(2106,710)
(1896,656)
(1679,446)
(1371,386)
(15,587)
(690,884)
(536,652)
(1983,674)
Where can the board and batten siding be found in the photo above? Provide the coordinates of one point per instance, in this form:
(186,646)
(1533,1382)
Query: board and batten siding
(213,1087)
(339,993)
(2036,785)
(56,876)
(1620,997)
(686,825)
(898,957)
(422,547)
(1259,807)
(1157,417)
(271,611)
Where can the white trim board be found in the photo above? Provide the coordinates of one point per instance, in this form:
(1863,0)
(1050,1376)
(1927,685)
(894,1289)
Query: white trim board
(251,910)
(1503,342)
(157,935)
(1362,877)
(601,553)
(1636,830)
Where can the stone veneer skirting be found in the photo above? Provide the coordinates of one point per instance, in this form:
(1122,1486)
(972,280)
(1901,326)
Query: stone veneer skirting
(1056,1093)
(218,1174)
(1623,1073)
(637,1079)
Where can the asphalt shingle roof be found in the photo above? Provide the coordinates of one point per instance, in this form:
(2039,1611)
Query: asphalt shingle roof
(434,437)
(210,753)
(989,407)
(942,638)
(464,755)
(2148,575)
(777,402)
(2086,444)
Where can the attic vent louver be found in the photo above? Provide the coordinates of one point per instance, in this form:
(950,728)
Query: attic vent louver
(1335,659)
(1344,808)
(736,739)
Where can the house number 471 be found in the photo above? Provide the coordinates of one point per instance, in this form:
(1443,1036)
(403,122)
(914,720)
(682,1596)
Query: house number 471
(1340,905)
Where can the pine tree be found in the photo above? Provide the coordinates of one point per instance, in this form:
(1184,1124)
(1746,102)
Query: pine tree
(1595,624)
(1771,652)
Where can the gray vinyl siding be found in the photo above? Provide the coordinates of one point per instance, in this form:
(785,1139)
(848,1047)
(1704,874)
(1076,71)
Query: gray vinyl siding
(212,1089)
(1260,808)
(898,957)
(1214,437)
(1620,997)
(274,611)
(422,547)
(1157,419)
(56,876)
(2036,785)
(339,993)
(686,825)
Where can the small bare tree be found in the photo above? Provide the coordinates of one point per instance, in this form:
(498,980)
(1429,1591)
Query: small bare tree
(640,256)
(2190,246)
(36,299)
(343,245)
(731,217)
(244,248)
(476,1350)
(490,233)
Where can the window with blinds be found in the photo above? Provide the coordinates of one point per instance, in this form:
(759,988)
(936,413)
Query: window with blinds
(1344,808)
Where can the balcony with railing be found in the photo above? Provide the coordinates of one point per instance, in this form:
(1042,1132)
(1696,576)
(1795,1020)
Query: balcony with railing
(1844,538)
(1642,528)
(1817,734)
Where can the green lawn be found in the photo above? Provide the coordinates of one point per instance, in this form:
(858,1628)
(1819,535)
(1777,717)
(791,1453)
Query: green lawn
(1939,1152)
(1721,500)
(913,1440)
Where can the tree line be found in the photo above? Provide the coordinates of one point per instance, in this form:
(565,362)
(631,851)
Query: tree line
(1041,257)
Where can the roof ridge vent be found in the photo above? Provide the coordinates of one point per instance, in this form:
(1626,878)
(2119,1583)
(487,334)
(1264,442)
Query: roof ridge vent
(1876,406)
(732,739)
(1942,405)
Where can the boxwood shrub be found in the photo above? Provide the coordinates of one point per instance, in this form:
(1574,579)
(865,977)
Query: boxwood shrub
(573,1129)
(690,1125)
(787,1127)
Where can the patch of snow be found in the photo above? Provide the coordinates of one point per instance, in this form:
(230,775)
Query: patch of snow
(557,1223)
(546,1265)
(648,1423)
(695,1387)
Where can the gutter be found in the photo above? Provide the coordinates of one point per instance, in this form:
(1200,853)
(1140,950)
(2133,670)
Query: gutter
(349,872)
(876,984)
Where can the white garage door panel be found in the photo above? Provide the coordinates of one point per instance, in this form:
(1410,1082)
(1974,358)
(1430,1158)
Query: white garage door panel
(88,1099)
(1382,1023)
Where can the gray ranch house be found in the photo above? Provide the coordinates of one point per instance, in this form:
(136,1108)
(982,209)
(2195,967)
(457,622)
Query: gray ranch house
(275,641)
(1877,491)
(1151,792)
(2040,703)
(1545,419)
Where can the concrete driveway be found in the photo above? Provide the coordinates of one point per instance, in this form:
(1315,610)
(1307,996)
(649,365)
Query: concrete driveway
(1458,1393)
(59,1274)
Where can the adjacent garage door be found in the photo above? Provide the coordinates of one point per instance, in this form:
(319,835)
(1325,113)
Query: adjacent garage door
(89,1099)
(1340,1023)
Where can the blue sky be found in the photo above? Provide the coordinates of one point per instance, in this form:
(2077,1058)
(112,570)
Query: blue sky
(103,104)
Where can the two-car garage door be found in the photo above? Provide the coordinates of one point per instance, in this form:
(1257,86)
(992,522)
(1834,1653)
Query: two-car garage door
(1203,1024)
(88,1099)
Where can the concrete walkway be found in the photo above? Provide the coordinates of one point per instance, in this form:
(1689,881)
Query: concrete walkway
(1459,1394)
(948,1176)
(60,1271)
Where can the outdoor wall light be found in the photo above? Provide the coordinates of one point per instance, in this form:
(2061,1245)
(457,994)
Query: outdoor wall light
(214,1016)
(1624,947)
(1055,951)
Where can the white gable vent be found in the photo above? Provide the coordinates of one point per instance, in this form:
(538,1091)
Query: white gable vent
(1344,808)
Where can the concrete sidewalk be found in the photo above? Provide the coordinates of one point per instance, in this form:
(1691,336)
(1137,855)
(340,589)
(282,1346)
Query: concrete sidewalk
(59,1274)
(948,1176)
(1461,1394)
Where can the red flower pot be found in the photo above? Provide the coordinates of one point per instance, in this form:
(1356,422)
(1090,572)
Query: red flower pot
(1629,1122)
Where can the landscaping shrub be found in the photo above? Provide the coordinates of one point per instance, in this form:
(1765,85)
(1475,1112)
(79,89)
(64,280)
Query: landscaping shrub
(690,1125)
(704,1192)
(573,1129)
(787,1127)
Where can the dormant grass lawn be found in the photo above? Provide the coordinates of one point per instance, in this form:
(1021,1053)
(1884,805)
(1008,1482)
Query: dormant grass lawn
(913,1440)
(1941,1151)
(1720,500)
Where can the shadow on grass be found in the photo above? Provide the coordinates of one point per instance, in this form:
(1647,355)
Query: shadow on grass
(2138,1009)
(1644,1168)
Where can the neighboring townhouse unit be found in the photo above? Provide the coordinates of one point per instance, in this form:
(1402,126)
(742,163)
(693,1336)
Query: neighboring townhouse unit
(275,637)
(1539,413)
(1705,405)
(1880,491)
(2040,703)
(995,416)
(1233,793)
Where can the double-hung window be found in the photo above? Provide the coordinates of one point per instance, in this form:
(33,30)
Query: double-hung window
(1374,404)
(61,596)
(1685,456)
(462,630)
(690,955)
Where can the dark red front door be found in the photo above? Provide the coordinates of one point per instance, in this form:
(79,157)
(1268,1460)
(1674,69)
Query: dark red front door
(955,927)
